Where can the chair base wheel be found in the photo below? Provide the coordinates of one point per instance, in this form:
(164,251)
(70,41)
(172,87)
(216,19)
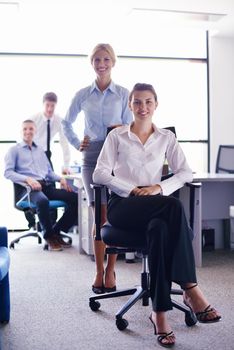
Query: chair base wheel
(94,305)
(190,319)
(121,324)
(4,322)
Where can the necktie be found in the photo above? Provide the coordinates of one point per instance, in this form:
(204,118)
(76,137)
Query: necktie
(48,152)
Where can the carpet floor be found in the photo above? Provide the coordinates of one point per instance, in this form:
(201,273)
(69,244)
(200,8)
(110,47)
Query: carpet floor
(50,304)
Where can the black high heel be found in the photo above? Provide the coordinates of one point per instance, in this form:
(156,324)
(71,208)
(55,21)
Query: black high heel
(202,316)
(111,289)
(162,336)
(99,289)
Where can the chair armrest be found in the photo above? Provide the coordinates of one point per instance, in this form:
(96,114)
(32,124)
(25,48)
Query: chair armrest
(97,209)
(3,237)
(167,176)
(23,184)
(26,195)
(94,186)
(192,186)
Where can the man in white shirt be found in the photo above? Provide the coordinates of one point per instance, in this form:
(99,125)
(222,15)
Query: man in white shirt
(48,125)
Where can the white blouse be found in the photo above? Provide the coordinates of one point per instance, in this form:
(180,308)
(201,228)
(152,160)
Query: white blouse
(125,163)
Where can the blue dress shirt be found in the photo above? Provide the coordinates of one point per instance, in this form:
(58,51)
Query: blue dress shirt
(101,109)
(22,161)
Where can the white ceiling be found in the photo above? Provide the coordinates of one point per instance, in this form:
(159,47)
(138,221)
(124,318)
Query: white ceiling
(90,21)
(119,9)
(223,27)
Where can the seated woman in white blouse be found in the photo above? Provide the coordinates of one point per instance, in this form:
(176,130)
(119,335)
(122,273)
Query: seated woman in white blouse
(130,164)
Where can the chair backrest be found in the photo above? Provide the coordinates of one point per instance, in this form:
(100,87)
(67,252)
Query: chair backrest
(225,159)
(171,128)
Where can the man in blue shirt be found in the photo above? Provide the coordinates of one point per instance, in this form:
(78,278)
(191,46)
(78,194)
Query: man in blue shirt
(26,163)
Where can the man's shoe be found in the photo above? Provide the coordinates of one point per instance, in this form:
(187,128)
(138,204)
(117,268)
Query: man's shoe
(53,245)
(62,242)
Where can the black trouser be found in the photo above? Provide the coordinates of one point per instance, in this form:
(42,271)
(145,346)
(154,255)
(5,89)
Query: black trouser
(53,212)
(41,200)
(162,220)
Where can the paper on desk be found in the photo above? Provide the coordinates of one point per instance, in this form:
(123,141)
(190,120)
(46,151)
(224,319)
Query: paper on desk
(74,180)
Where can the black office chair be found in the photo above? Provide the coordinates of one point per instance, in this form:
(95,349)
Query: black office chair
(23,203)
(225,159)
(121,241)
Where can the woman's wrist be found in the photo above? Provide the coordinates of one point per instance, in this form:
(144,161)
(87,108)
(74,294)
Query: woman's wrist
(158,189)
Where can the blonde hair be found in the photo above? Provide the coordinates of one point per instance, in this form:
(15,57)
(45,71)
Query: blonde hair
(106,47)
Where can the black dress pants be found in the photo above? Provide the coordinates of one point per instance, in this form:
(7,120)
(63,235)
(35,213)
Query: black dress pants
(162,220)
(41,200)
(53,212)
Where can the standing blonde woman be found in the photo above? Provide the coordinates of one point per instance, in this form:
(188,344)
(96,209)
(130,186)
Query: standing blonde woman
(104,104)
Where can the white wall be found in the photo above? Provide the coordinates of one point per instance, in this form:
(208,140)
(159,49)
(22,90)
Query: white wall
(221,94)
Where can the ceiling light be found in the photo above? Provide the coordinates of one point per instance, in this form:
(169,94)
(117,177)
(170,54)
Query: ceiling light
(182,15)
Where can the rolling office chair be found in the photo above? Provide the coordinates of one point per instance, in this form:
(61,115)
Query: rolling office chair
(225,159)
(23,203)
(4,278)
(122,241)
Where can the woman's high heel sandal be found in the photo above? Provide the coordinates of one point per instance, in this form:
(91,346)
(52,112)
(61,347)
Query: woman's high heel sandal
(162,336)
(203,316)
(99,289)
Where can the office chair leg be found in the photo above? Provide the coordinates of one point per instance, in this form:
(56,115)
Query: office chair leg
(139,294)
(122,323)
(142,292)
(29,234)
(95,305)
(190,317)
(145,287)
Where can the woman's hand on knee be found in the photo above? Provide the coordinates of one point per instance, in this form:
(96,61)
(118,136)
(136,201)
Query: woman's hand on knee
(147,191)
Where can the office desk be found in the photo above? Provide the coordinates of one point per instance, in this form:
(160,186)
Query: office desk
(85,215)
(213,199)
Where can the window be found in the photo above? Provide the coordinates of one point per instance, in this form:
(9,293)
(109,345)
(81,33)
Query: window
(178,73)
(181,85)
